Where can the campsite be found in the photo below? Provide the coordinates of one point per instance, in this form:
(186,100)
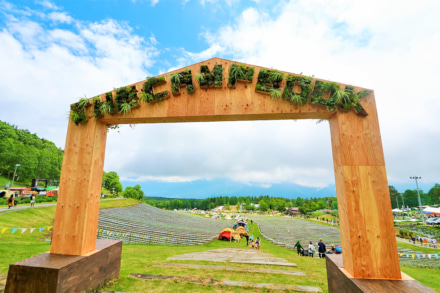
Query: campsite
(155,241)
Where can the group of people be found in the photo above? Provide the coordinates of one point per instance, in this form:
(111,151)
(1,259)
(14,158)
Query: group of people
(12,202)
(424,241)
(251,243)
(311,250)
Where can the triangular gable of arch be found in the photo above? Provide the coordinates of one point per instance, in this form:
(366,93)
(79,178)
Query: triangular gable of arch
(224,89)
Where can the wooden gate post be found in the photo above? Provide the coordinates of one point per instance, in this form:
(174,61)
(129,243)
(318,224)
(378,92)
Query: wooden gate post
(77,211)
(367,228)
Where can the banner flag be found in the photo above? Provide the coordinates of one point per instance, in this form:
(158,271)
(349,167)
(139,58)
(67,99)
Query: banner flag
(14,230)
(423,255)
(429,256)
(32,230)
(407,255)
(23,230)
(50,227)
(41,229)
(413,256)
(100,230)
(4,230)
(401,254)
(418,256)
(436,255)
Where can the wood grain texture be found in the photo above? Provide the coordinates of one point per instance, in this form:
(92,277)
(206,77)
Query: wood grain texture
(50,272)
(340,282)
(76,216)
(367,229)
(364,206)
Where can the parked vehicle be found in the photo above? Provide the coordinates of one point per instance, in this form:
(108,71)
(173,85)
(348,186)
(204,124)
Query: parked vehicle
(433,221)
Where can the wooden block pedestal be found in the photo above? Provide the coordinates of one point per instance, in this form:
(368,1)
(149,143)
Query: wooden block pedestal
(66,273)
(340,281)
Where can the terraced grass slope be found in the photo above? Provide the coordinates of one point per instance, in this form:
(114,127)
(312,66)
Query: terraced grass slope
(145,224)
(283,231)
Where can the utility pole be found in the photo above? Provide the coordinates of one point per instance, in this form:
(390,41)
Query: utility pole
(418,193)
(15,171)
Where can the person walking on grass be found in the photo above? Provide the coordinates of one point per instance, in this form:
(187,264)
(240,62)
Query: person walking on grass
(312,249)
(32,200)
(258,243)
(10,201)
(321,249)
(298,247)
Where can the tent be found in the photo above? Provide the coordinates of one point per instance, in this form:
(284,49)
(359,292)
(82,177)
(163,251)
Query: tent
(228,234)
(432,211)
(396,211)
(242,224)
(228,217)
(242,231)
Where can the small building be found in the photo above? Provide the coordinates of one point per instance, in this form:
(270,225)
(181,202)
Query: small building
(293,211)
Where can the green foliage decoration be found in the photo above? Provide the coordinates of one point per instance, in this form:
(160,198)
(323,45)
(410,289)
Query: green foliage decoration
(97,107)
(306,87)
(240,72)
(108,107)
(180,78)
(206,78)
(275,93)
(148,95)
(270,79)
(123,97)
(77,111)
(322,87)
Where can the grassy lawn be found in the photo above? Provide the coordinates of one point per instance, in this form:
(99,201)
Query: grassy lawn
(141,259)
(126,202)
(418,247)
(428,277)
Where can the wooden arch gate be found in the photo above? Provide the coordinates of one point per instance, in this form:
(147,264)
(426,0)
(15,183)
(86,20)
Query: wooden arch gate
(367,230)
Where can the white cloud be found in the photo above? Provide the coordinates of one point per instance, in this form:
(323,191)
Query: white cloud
(45,70)
(60,17)
(49,5)
(370,44)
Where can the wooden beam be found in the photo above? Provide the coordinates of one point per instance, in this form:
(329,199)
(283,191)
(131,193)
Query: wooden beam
(77,212)
(366,221)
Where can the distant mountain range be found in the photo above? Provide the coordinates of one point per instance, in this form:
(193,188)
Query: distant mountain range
(200,189)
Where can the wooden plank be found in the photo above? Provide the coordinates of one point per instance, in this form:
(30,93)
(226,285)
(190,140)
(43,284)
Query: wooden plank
(50,272)
(76,217)
(367,230)
(339,281)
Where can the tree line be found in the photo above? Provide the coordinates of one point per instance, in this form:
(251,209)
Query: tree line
(410,197)
(37,157)
(110,181)
(265,202)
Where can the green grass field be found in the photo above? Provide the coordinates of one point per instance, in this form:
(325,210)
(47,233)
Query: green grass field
(141,259)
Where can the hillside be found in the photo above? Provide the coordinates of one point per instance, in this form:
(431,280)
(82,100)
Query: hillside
(36,157)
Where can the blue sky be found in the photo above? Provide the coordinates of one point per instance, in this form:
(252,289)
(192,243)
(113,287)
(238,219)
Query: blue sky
(54,52)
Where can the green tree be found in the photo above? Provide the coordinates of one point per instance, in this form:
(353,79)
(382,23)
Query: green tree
(434,194)
(394,195)
(130,192)
(138,189)
(263,205)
